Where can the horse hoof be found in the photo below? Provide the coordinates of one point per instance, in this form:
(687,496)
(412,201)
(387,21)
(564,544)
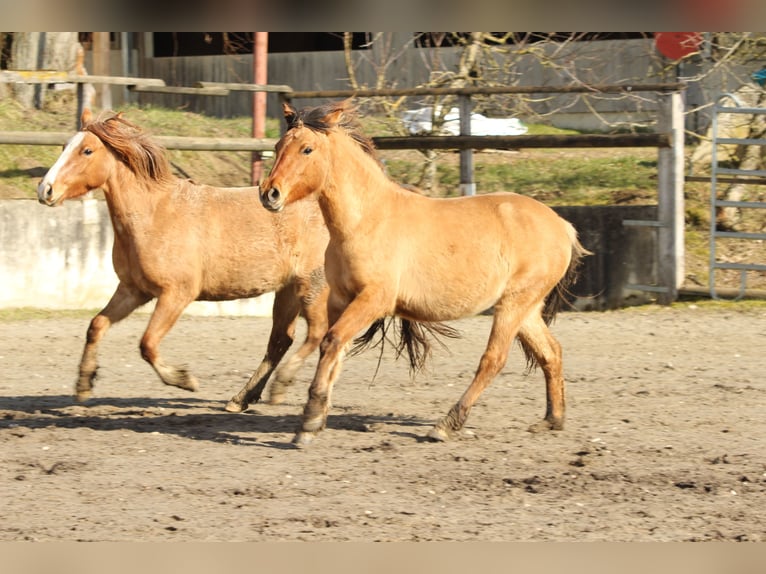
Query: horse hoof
(235,407)
(303,439)
(191,385)
(83,396)
(437,434)
(546,425)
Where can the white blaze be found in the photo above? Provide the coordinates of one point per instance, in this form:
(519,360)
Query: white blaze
(50,177)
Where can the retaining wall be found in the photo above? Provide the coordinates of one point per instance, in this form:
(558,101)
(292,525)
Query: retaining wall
(60,258)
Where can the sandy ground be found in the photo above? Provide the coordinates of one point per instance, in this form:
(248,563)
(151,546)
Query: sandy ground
(665,439)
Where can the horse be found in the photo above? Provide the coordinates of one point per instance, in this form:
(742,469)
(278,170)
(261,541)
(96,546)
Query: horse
(425,260)
(177,241)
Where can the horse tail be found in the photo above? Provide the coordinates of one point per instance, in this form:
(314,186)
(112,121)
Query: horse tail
(411,336)
(560,295)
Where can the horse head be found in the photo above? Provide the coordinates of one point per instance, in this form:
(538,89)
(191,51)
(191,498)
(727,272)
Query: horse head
(81,167)
(303,157)
(90,156)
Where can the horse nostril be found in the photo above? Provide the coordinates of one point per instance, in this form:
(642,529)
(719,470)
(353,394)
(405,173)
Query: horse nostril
(273,195)
(49,192)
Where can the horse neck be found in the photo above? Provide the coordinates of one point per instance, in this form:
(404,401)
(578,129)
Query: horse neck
(354,190)
(130,198)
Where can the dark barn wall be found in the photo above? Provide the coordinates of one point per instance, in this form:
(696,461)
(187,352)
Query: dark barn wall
(621,255)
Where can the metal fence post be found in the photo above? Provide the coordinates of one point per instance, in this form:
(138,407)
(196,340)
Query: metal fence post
(467,185)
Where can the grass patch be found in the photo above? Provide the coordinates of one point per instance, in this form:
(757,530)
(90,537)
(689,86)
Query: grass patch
(567,180)
(29,313)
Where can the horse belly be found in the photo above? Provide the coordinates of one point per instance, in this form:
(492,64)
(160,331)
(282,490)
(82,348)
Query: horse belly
(249,279)
(453,290)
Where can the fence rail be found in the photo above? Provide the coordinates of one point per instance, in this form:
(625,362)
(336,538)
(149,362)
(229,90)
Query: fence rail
(668,140)
(381,142)
(486,90)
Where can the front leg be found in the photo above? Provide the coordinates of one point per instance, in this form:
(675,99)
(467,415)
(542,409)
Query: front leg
(166,313)
(123,302)
(362,311)
(314,309)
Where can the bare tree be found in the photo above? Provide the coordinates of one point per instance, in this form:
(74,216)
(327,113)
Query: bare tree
(495,59)
(728,64)
(724,62)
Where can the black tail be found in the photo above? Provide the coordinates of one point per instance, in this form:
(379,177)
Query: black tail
(414,338)
(560,294)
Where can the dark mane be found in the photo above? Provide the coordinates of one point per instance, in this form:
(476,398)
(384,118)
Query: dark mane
(138,151)
(314,118)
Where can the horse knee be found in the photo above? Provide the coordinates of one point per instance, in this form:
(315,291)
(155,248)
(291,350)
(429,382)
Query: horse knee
(97,326)
(493,362)
(331,344)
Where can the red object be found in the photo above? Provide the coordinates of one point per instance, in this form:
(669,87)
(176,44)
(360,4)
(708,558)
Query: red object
(677,45)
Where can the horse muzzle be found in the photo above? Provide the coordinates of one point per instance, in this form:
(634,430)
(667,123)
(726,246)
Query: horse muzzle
(45,194)
(272,199)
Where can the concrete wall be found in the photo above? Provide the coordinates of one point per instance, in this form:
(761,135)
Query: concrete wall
(60,258)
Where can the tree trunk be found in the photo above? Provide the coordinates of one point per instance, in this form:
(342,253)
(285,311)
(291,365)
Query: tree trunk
(41,51)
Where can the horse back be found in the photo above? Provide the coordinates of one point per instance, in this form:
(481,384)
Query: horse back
(461,255)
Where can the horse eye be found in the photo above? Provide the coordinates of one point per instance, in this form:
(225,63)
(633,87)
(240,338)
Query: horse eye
(307,150)
(87,151)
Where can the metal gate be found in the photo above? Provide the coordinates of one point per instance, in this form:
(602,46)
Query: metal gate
(732,175)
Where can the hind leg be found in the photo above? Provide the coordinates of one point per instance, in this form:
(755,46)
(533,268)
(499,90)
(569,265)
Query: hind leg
(542,346)
(166,313)
(284,317)
(123,302)
(504,328)
(315,312)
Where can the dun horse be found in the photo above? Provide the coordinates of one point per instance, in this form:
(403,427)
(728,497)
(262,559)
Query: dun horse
(425,260)
(178,242)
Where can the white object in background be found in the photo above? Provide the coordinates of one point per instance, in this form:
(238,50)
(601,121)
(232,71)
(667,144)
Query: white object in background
(419,121)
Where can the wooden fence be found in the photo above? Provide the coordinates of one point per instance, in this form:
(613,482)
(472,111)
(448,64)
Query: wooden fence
(668,138)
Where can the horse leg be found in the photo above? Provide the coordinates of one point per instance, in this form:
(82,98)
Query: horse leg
(505,325)
(166,313)
(284,317)
(123,302)
(362,311)
(539,342)
(315,312)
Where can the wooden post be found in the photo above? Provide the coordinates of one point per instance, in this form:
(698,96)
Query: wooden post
(670,204)
(101,67)
(260,76)
(467,185)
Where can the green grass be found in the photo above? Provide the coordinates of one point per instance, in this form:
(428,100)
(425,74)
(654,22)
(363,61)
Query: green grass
(554,180)
(21,166)
(28,313)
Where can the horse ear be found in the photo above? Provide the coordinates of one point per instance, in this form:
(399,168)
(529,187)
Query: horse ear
(86,117)
(291,115)
(335,116)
